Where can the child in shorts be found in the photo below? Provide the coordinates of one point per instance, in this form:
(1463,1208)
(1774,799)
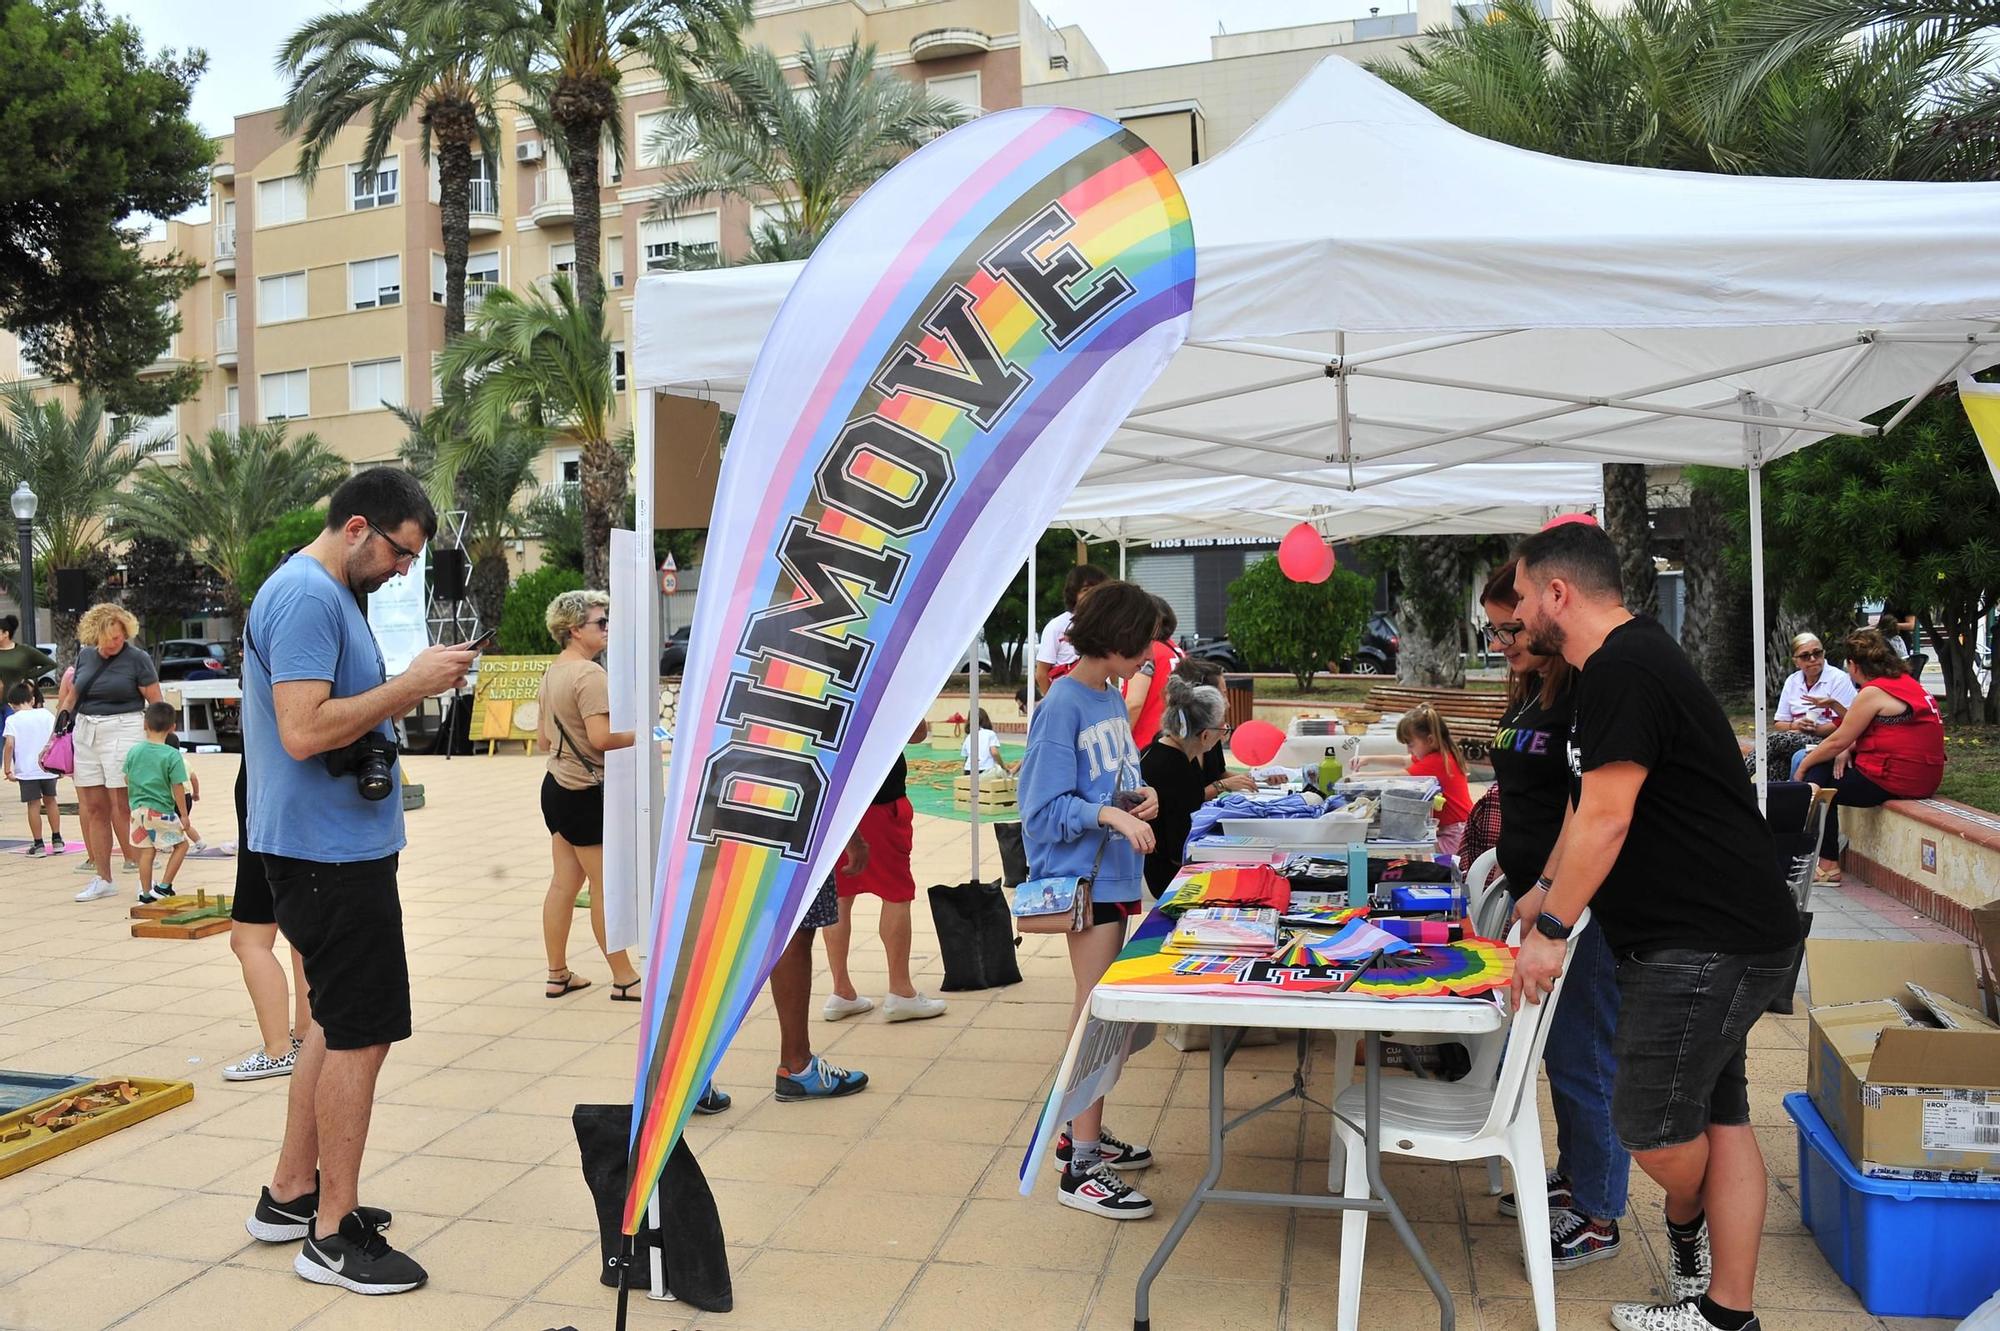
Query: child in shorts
(29,727)
(156,786)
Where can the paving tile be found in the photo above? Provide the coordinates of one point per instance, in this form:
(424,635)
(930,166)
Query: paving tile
(493,1257)
(200,1225)
(994,1298)
(425,1310)
(868,1223)
(79,1211)
(87,1291)
(852,1293)
(1194,1301)
(265,1300)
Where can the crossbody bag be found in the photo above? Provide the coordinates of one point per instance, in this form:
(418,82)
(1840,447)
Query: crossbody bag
(1059,905)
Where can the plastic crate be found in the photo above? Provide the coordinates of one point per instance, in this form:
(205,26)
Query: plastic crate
(1908,1249)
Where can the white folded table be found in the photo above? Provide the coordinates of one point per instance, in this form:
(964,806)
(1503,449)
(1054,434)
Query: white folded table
(1229,1016)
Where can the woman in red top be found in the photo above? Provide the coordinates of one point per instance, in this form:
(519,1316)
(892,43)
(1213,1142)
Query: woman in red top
(1890,745)
(1146,692)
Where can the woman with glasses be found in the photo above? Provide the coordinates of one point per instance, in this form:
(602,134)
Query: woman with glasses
(575,731)
(1810,706)
(1588,1187)
(1190,728)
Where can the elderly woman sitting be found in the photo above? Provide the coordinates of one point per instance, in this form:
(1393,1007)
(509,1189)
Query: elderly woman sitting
(1889,744)
(1810,706)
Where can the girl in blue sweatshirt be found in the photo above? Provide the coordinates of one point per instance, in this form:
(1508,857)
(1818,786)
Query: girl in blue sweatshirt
(1074,804)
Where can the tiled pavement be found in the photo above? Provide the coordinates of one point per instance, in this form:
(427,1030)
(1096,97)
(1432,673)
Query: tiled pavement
(896,1207)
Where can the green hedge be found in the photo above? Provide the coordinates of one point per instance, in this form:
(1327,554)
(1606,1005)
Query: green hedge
(523,630)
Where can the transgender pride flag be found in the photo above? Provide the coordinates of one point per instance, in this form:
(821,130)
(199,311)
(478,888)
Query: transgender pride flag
(948,363)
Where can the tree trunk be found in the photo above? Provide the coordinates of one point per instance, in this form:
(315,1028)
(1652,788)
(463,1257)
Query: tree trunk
(583,137)
(455,210)
(1431,612)
(1705,632)
(1953,640)
(1627,523)
(603,485)
(487,587)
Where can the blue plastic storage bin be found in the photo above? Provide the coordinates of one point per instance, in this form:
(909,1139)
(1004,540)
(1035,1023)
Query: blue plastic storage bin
(1908,1249)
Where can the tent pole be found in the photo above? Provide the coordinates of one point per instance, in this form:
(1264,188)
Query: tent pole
(972,729)
(1753,450)
(1033,647)
(1343,420)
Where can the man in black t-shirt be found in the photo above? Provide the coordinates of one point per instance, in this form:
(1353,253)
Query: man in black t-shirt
(1667,848)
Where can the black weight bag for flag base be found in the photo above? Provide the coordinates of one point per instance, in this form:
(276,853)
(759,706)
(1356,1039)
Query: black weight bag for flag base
(690,1234)
(976,938)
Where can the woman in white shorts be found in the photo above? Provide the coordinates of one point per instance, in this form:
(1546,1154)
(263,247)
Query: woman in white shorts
(107,692)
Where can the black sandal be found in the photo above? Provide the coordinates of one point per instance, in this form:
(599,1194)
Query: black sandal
(622,996)
(570,983)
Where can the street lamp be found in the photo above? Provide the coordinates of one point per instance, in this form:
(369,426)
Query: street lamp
(25,503)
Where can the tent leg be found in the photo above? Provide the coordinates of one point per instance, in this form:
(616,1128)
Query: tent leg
(972,766)
(1121,559)
(1758,631)
(1033,647)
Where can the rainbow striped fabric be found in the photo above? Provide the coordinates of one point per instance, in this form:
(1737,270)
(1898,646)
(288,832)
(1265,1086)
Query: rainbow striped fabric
(948,363)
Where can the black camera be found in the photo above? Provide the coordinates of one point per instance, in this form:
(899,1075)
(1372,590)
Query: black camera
(370,760)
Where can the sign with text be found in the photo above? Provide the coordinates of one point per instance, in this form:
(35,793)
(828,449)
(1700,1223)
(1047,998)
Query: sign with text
(506,700)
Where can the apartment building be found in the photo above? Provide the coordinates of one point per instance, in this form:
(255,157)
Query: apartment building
(321,304)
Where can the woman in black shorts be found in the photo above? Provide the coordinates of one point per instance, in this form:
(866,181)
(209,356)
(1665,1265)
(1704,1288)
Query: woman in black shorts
(575,731)
(253,937)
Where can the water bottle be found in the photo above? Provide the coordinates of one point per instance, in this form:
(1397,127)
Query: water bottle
(1329,770)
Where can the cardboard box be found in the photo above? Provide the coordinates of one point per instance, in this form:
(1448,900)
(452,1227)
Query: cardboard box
(1906,1098)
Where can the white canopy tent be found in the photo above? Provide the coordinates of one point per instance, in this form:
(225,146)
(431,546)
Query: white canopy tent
(1377,287)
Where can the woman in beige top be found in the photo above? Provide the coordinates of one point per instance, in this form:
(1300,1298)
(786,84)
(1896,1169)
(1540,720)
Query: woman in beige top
(575,731)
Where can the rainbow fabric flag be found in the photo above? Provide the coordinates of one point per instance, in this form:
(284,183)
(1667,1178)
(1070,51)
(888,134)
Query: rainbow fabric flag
(951,358)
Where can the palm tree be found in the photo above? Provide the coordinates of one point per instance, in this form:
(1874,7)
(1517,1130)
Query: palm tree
(1767,87)
(227,489)
(568,58)
(810,146)
(539,363)
(389,60)
(490,481)
(74,461)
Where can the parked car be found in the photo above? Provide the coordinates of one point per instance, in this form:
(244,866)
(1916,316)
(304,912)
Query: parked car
(1376,653)
(192,658)
(674,653)
(1219,650)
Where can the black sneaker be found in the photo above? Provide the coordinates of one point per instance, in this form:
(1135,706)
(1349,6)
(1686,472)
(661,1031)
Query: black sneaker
(1561,1198)
(288,1222)
(147,898)
(1120,1155)
(165,890)
(712,1101)
(359,1259)
(1101,1192)
(1578,1240)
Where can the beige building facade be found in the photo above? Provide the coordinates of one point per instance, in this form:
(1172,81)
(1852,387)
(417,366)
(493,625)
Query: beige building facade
(321,304)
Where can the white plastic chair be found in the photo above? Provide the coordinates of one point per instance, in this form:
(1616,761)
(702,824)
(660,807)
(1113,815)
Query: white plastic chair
(1458,1120)
(1488,907)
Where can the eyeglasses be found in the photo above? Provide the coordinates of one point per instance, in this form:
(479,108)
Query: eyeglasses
(605,622)
(403,557)
(1810,654)
(1504,634)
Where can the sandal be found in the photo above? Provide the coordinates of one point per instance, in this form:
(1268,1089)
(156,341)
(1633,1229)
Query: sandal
(623,996)
(1826,877)
(570,982)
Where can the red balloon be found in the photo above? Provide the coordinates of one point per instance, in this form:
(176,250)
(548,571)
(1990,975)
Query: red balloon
(1566,519)
(1255,743)
(1304,555)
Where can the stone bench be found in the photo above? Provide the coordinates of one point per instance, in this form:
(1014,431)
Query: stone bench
(1936,856)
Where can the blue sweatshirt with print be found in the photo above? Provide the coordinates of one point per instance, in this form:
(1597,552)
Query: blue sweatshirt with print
(1074,747)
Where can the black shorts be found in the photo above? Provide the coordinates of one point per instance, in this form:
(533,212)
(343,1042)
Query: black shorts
(252,902)
(577,816)
(346,923)
(1683,1020)
(35,789)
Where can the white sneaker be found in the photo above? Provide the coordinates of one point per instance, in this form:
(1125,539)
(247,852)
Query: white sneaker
(897,1008)
(1102,1192)
(839,1009)
(99,889)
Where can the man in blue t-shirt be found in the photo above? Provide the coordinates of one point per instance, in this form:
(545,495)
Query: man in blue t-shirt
(313,684)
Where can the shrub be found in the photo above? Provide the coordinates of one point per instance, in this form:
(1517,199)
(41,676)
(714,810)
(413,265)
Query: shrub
(1297,626)
(523,631)
(263,552)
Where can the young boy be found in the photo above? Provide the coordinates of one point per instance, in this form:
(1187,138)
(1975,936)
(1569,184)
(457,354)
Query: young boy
(156,778)
(28,731)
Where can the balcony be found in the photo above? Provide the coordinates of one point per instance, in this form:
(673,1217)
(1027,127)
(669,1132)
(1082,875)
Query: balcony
(942,43)
(553,204)
(225,341)
(226,422)
(225,247)
(483,208)
(475,291)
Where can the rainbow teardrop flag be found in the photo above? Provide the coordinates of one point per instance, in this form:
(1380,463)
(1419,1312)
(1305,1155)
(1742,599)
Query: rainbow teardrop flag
(949,361)
(1982,408)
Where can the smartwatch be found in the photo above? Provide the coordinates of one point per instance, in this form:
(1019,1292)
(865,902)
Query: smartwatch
(1548,926)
